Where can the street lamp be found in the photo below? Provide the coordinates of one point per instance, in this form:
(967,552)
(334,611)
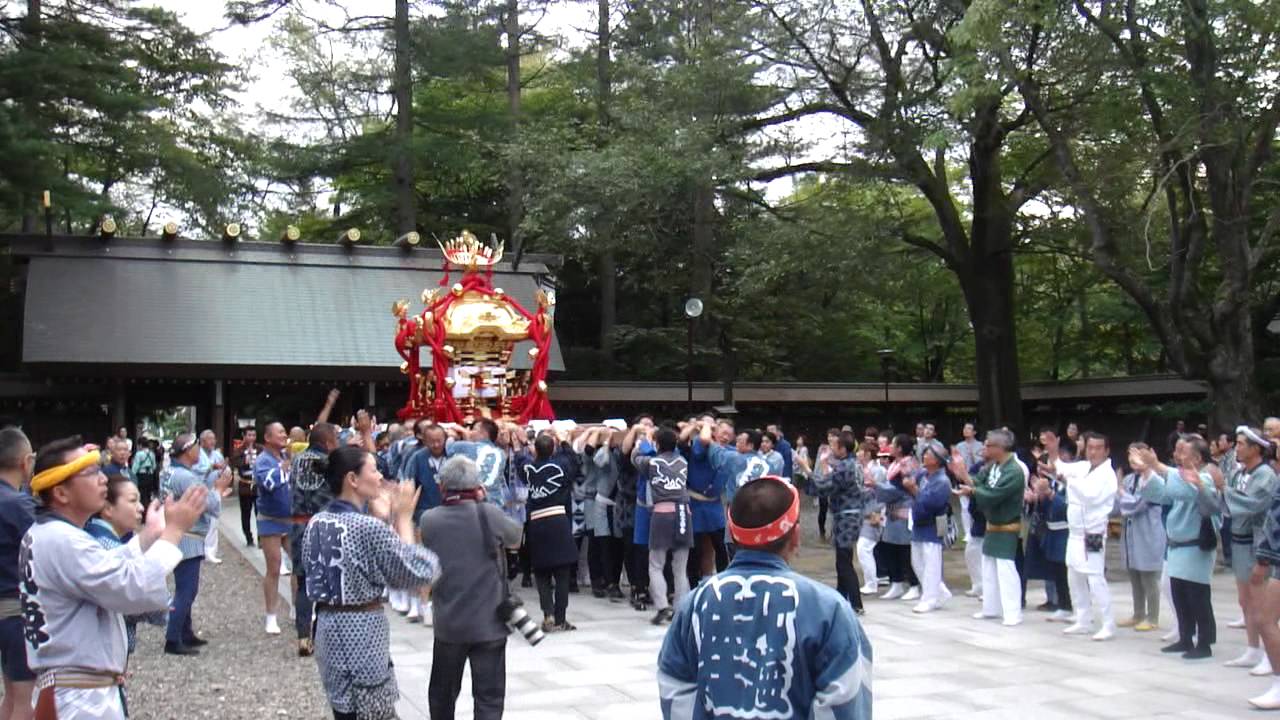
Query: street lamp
(886,365)
(692,311)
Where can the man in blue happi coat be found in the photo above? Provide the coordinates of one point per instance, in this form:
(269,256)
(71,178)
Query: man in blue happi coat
(760,640)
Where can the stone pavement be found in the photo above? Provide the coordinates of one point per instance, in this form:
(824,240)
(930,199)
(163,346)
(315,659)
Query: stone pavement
(941,665)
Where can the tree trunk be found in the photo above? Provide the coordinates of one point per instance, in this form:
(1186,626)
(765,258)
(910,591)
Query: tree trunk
(31,29)
(1231,373)
(995,345)
(515,180)
(704,241)
(405,193)
(608,269)
(1086,333)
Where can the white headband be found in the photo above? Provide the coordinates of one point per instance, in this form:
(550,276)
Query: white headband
(1253,436)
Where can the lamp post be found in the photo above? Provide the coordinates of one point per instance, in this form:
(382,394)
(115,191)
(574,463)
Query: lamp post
(692,311)
(886,365)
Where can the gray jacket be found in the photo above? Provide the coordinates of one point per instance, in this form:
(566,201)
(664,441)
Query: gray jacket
(1248,497)
(175,484)
(1143,543)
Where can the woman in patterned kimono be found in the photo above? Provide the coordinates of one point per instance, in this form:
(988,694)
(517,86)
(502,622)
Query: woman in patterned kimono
(351,556)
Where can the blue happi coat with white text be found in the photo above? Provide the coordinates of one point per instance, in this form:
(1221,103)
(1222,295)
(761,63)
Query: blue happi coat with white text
(762,641)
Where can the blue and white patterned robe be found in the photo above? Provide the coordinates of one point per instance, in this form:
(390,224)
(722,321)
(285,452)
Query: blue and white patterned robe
(762,641)
(350,559)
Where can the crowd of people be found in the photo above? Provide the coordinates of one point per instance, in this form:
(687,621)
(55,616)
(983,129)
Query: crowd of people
(701,517)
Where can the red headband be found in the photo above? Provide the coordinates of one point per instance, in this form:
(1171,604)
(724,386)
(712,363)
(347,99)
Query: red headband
(774,531)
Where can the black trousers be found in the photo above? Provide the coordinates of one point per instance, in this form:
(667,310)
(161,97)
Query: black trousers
(1195,612)
(898,558)
(343,716)
(1020,562)
(823,506)
(246,518)
(554,600)
(847,577)
(881,555)
(1058,573)
(604,561)
(638,566)
(488,678)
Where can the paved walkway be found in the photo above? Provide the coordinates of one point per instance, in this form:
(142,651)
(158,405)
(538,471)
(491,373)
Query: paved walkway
(941,665)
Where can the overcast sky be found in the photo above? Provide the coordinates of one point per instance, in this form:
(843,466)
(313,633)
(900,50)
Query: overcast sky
(269,85)
(247,45)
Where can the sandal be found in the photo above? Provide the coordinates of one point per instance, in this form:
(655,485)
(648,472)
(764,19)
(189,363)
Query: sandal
(306,648)
(565,626)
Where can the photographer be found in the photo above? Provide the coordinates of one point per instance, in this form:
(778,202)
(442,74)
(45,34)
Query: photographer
(468,593)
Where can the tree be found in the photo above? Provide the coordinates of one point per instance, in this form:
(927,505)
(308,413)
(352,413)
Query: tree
(1203,137)
(885,71)
(120,110)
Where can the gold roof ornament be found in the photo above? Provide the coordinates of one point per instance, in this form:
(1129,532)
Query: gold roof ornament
(468,252)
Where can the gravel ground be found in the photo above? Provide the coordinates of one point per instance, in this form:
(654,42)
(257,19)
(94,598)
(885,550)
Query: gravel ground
(241,673)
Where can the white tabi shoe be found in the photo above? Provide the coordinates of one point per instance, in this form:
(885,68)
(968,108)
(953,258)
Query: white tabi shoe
(1012,623)
(868,589)
(1248,659)
(1077,628)
(925,606)
(983,616)
(428,615)
(912,594)
(944,597)
(213,559)
(1269,700)
(415,613)
(896,590)
(1238,623)
(1107,632)
(1062,616)
(974,592)
(1263,668)
(1171,636)
(399,601)
(273,627)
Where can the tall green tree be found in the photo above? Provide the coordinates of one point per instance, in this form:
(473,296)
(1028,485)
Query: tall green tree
(1184,90)
(884,71)
(118,109)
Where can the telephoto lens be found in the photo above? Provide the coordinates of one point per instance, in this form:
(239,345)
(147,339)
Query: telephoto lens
(516,618)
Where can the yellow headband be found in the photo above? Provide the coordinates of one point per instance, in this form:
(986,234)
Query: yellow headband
(57,475)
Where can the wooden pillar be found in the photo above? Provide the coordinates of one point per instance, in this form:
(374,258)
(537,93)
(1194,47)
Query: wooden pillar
(118,400)
(219,423)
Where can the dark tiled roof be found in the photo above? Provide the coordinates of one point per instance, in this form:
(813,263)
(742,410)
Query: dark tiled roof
(190,303)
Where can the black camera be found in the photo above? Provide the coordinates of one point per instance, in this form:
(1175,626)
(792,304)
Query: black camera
(511,612)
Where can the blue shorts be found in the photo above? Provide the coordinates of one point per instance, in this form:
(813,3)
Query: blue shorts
(268,528)
(13,651)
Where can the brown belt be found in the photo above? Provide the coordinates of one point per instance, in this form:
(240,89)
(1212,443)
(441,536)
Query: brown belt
(47,683)
(1013,527)
(371,606)
(301,519)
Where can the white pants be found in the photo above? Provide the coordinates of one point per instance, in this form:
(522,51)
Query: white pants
(1089,590)
(1002,589)
(658,581)
(867,559)
(211,540)
(973,561)
(926,560)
